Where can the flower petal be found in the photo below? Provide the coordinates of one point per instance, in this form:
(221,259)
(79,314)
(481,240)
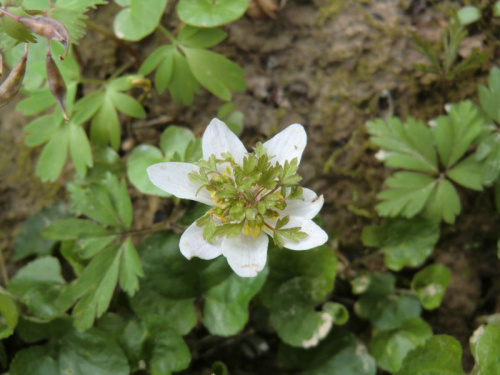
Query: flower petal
(246,254)
(316,236)
(287,144)
(192,244)
(307,207)
(218,138)
(172,177)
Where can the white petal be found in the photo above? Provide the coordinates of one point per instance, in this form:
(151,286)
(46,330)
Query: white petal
(218,138)
(307,207)
(192,244)
(173,178)
(246,254)
(287,144)
(316,236)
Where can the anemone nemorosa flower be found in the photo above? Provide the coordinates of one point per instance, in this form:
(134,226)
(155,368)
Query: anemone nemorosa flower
(253,196)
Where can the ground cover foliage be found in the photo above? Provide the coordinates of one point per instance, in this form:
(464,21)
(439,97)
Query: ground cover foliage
(95,287)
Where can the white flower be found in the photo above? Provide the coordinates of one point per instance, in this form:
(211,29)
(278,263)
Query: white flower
(246,251)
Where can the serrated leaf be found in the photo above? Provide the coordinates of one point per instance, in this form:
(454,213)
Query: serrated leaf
(9,314)
(439,355)
(210,13)
(405,242)
(196,37)
(456,132)
(407,194)
(485,346)
(72,13)
(468,173)
(430,285)
(130,268)
(407,145)
(120,199)
(38,285)
(32,330)
(215,72)
(129,23)
(30,241)
(226,305)
(341,353)
(390,347)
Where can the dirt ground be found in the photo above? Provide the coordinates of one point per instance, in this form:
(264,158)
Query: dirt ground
(329,65)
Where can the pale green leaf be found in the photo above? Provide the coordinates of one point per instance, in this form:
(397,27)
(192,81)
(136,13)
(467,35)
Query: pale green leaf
(175,139)
(105,126)
(439,355)
(130,23)
(210,13)
(79,149)
(40,130)
(190,36)
(138,161)
(9,314)
(443,203)
(54,155)
(468,173)
(488,152)
(127,105)
(469,14)
(130,268)
(485,346)
(183,84)
(74,229)
(430,285)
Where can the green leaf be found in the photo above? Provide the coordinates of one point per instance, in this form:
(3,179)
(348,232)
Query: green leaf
(127,105)
(91,352)
(54,155)
(38,285)
(485,346)
(106,160)
(9,314)
(74,229)
(183,84)
(210,13)
(443,203)
(161,59)
(138,161)
(468,173)
(383,307)
(439,355)
(32,330)
(405,242)
(130,23)
(390,347)
(95,287)
(488,152)
(456,132)
(175,140)
(38,101)
(215,72)
(79,149)
(293,312)
(407,194)
(170,352)
(41,130)
(120,199)
(430,284)
(105,126)
(196,37)
(71,14)
(468,14)
(130,268)
(87,106)
(496,9)
(15,29)
(36,360)
(341,353)
(407,145)
(226,305)
(30,241)
(318,263)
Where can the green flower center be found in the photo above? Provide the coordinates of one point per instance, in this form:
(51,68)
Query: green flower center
(249,197)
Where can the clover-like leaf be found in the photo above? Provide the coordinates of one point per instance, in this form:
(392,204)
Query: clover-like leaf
(404,242)
(390,347)
(408,145)
(139,20)
(210,13)
(430,285)
(439,355)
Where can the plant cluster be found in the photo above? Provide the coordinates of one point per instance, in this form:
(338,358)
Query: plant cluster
(99,295)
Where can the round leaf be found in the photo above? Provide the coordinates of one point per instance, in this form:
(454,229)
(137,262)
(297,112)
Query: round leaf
(210,13)
(485,346)
(430,285)
(139,160)
(131,24)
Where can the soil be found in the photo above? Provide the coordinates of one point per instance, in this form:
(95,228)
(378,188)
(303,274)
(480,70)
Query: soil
(330,65)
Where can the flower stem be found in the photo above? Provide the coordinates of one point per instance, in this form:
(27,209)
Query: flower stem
(10,14)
